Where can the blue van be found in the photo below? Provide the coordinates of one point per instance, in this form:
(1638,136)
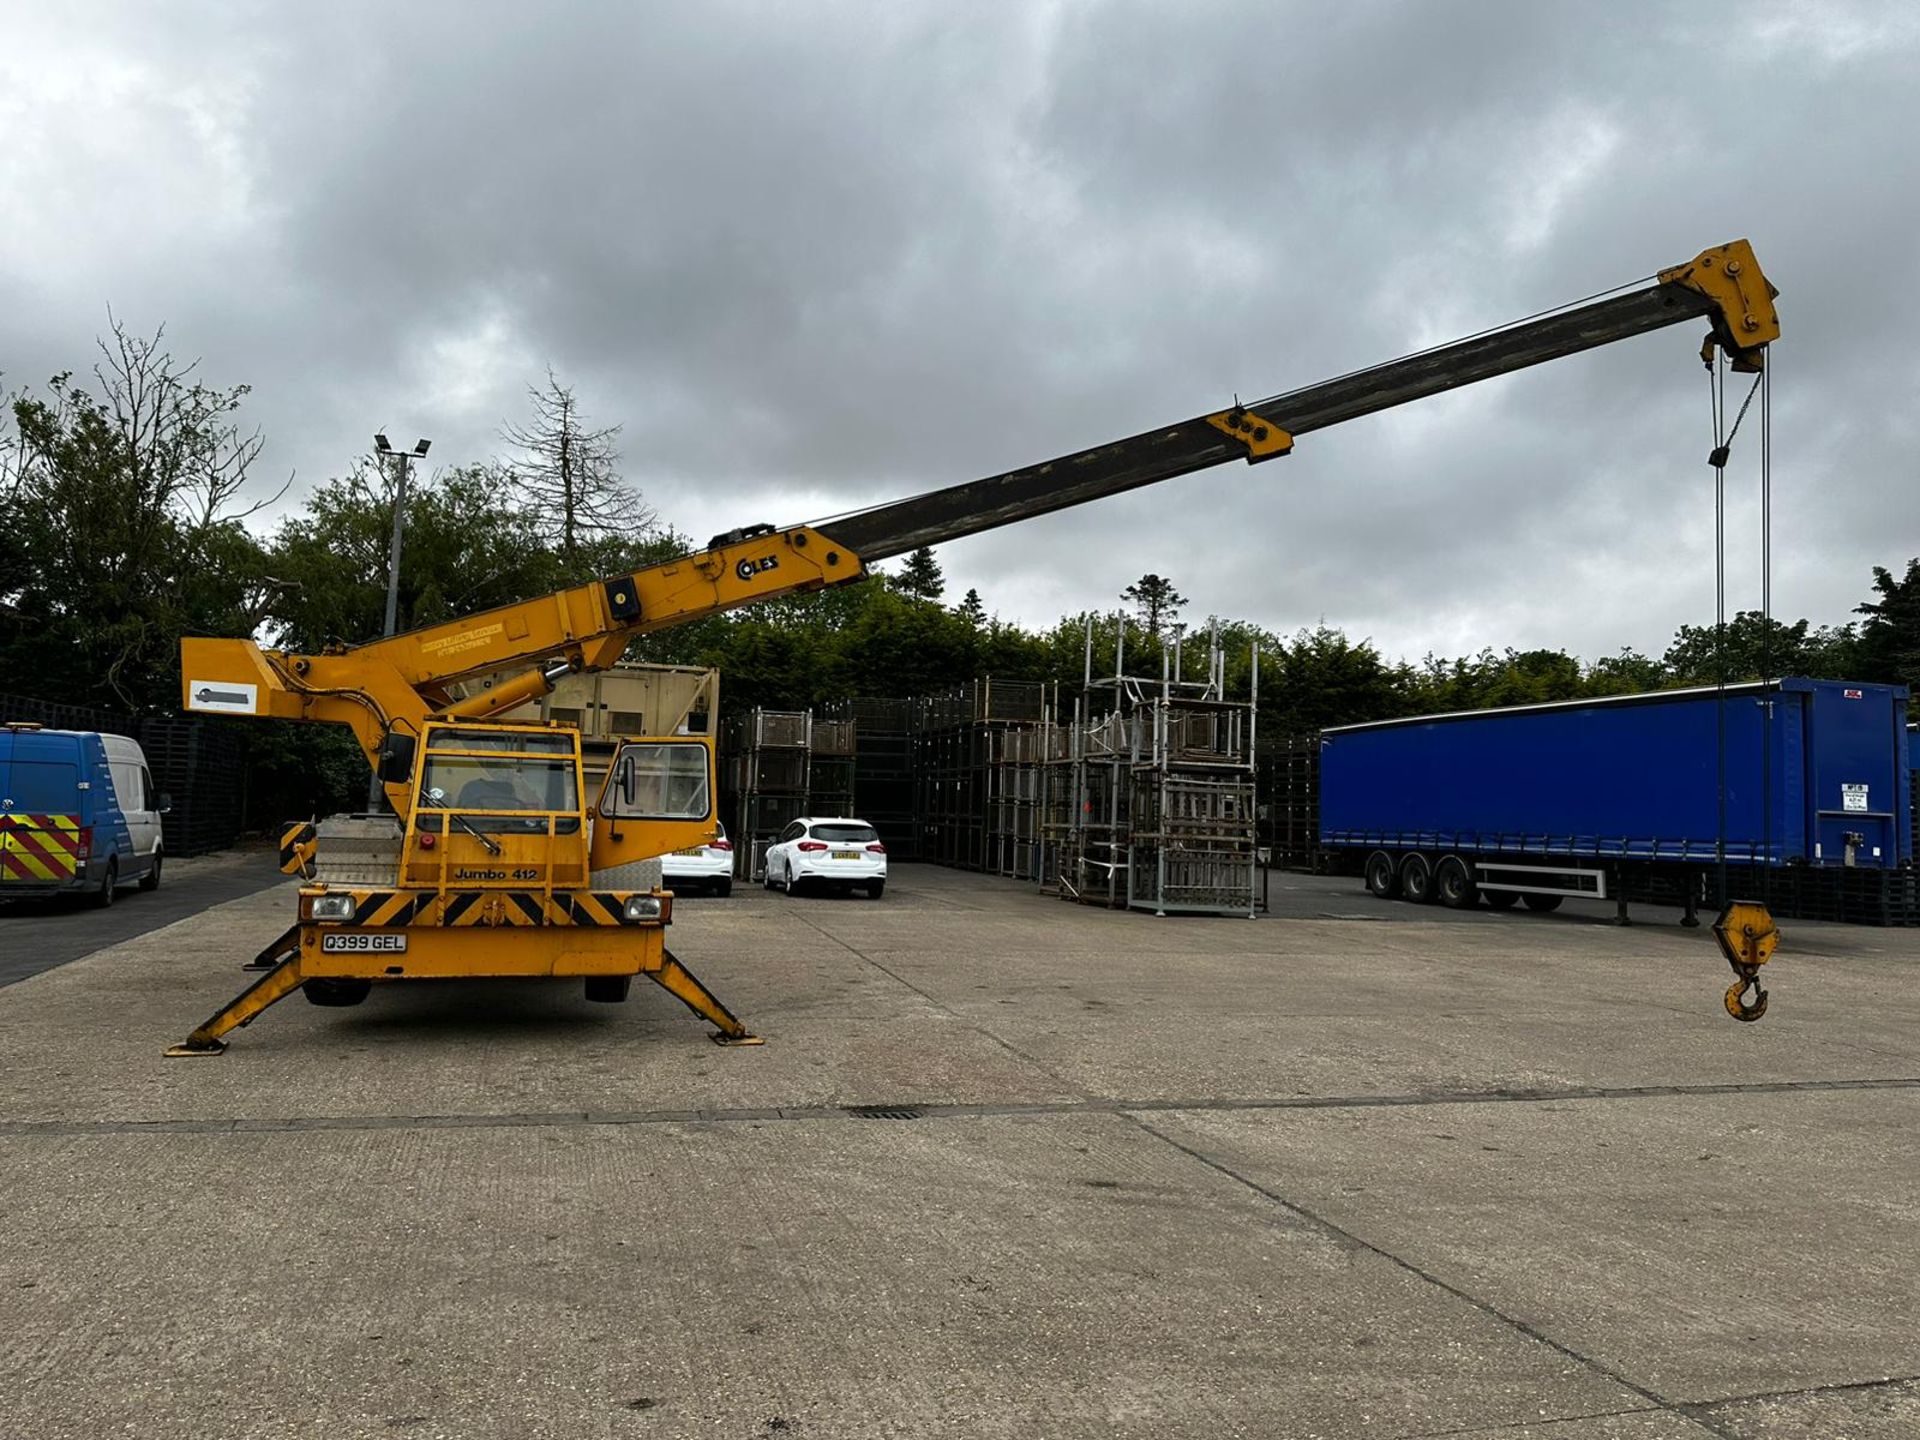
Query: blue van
(78,814)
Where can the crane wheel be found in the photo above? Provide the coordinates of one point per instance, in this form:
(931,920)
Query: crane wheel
(608,989)
(336,994)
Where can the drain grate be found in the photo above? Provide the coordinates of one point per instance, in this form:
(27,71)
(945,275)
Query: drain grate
(882,1112)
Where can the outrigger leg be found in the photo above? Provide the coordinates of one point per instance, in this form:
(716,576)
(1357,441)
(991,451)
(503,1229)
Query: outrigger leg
(276,984)
(680,982)
(272,955)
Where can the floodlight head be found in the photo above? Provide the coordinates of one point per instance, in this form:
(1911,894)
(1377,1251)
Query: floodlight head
(420,446)
(380,444)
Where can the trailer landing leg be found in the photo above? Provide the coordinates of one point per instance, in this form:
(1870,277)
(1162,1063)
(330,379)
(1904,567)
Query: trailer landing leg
(681,983)
(276,984)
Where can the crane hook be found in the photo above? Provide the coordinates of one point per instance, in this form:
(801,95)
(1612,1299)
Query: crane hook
(1738,1005)
(1747,937)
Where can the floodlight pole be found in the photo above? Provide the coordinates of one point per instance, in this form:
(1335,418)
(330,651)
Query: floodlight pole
(382,450)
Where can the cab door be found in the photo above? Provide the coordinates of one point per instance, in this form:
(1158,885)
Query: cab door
(658,797)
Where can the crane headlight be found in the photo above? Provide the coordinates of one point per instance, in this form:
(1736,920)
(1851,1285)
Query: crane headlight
(643,907)
(333,907)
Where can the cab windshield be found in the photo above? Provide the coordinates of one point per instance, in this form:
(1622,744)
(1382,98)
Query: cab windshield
(500,794)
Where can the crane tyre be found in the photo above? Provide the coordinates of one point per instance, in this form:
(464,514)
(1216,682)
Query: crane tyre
(1541,903)
(1416,879)
(608,989)
(336,994)
(1453,883)
(1383,876)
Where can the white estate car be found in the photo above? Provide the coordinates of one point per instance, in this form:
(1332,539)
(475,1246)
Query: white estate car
(704,867)
(829,851)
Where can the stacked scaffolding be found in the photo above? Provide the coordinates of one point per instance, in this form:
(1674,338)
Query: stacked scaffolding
(1137,793)
(970,797)
(1191,840)
(1148,797)
(1015,793)
(830,770)
(883,772)
(764,783)
(1289,786)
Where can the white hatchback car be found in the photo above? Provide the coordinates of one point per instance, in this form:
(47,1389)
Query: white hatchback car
(704,867)
(829,852)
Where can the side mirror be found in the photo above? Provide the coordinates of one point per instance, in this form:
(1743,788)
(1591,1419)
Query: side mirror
(396,759)
(164,805)
(627,788)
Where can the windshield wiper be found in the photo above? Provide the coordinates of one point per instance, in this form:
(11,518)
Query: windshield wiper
(465,824)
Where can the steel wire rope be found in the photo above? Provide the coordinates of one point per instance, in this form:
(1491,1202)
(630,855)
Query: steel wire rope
(1765,384)
(1717,387)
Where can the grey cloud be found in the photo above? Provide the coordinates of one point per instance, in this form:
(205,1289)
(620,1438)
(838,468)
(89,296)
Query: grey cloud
(814,258)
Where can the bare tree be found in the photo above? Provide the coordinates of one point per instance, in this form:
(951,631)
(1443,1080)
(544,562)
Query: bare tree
(182,452)
(123,504)
(568,473)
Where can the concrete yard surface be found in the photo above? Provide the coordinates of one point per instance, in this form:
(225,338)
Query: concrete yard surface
(1006,1167)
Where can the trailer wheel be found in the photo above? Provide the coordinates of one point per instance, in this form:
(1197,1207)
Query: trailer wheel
(1453,883)
(1500,899)
(1383,876)
(1416,878)
(1541,903)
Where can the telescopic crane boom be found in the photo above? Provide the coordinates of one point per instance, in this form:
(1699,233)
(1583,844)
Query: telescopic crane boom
(398,682)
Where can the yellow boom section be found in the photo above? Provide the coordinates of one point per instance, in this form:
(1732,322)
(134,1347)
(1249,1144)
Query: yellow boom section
(401,681)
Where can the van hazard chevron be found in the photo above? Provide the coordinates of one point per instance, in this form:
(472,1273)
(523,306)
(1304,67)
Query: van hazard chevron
(41,847)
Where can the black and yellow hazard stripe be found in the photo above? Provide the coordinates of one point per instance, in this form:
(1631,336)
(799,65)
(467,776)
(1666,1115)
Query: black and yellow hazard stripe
(37,847)
(523,908)
(297,848)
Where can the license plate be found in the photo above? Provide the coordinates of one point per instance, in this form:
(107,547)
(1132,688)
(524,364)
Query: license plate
(348,943)
(696,852)
(846,854)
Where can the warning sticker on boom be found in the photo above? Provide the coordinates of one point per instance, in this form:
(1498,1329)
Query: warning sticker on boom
(223,695)
(1853,797)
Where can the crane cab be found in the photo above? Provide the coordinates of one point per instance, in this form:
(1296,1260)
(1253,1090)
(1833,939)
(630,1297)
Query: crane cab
(495,807)
(500,806)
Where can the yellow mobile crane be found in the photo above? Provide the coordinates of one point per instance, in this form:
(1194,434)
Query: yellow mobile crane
(494,862)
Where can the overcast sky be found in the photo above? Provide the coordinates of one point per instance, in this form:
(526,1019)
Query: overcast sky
(815,256)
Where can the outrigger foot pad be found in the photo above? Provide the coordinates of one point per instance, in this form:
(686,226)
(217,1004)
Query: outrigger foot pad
(187,1050)
(720,1037)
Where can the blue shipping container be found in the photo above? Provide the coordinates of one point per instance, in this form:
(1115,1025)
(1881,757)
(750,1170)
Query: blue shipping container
(1814,768)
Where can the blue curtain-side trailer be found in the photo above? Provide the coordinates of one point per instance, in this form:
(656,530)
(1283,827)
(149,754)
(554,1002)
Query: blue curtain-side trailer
(1628,797)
